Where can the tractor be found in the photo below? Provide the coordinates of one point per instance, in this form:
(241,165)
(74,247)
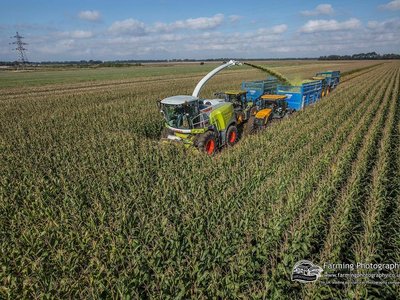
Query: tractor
(330,79)
(206,124)
(267,108)
(241,105)
(256,104)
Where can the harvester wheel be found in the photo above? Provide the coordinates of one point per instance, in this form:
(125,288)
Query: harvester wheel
(231,136)
(207,142)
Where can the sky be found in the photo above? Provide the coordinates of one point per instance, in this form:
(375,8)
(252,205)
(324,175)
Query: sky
(167,29)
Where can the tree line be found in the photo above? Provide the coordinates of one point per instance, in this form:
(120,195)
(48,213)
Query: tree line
(369,55)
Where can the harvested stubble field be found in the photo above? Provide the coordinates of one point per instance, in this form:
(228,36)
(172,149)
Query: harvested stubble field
(91,205)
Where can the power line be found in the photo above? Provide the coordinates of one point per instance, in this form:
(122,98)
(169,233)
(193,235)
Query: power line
(23,60)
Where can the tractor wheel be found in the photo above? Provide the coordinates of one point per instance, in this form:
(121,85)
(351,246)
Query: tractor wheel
(166,132)
(231,136)
(265,123)
(207,142)
(267,120)
(249,127)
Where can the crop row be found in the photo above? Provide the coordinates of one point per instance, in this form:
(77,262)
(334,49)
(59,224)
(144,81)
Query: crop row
(308,227)
(349,204)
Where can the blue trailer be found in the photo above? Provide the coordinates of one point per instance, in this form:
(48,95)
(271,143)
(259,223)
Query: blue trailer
(330,80)
(255,89)
(301,96)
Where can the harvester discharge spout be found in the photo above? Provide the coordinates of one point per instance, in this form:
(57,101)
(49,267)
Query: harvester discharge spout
(203,81)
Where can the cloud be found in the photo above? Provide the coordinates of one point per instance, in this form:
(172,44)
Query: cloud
(90,15)
(128,26)
(235,18)
(393,5)
(76,34)
(321,9)
(278,29)
(138,28)
(81,34)
(391,25)
(330,25)
(202,23)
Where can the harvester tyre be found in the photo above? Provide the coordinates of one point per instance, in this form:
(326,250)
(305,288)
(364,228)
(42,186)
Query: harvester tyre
(231,136)
(207,143)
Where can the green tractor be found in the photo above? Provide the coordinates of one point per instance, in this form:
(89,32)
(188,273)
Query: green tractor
(241,105)
(207,124)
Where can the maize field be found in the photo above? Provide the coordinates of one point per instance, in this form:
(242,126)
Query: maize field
(93,206)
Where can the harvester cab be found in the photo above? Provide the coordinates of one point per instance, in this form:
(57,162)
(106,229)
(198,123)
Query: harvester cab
(206,124)
(179,111)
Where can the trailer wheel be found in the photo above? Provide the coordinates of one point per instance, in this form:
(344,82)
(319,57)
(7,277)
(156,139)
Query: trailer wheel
(231,136)
(207,142)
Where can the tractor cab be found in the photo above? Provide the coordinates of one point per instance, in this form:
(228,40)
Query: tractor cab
(241,105)
(236,97)
(267,107)
(276,103)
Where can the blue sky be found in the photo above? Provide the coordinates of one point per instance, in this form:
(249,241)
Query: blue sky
(163,29)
